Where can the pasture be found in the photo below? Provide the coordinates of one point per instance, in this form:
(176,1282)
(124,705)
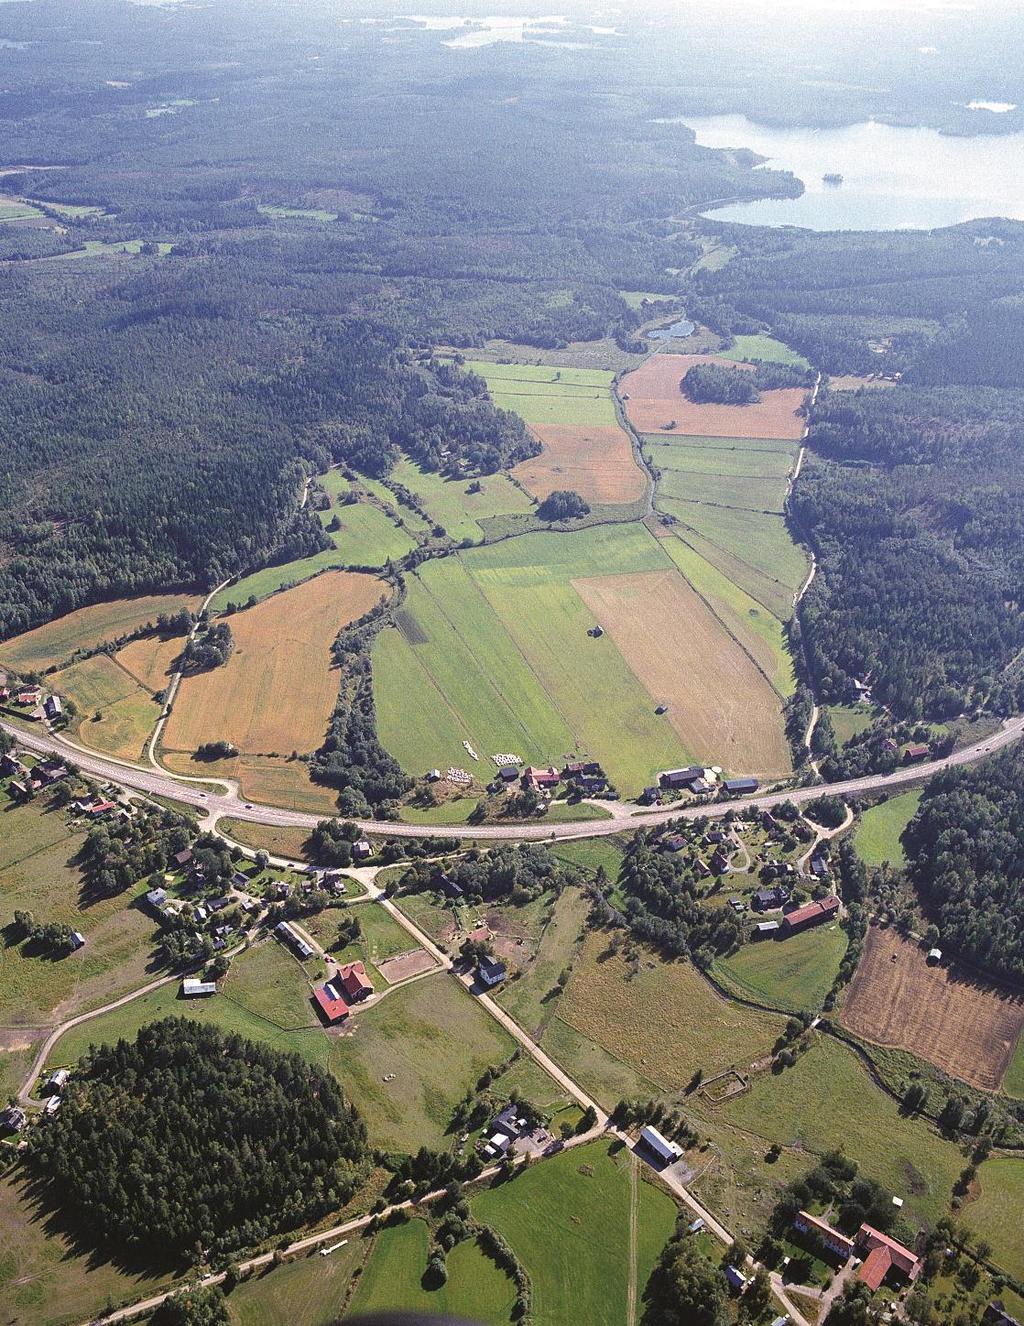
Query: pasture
(290,843)
(766,348)
(393,1279)
(86,628)
(827,1100)
(531,999)
(740,462)
(656,404)
(597,463)
(720,701)
(747,492)
(570,1222)
(116,712)
(878,836)
(549,395)
(697,1028)
(963,1025)
(994,1213)
(451,503)
(305,1292)
(276,692)
(792,974)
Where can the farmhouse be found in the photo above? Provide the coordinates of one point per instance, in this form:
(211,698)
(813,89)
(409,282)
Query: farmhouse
(813,913)
(837,1243)
(659,1145)
(736,1278)
(996,1315)
(13,1119)
(765,899)
(290,936)
(766,929)
(192,988)
(819,864)
(650,796)
(361,850)
(508,773)
(673,843)
(157,899)
(490,971)
(354,982)
(549,777)
(920,751)
(330,1000)
(884,1256)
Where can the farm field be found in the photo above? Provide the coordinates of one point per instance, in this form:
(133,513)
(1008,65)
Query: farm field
(994,1214)
(759,544)
(696,1027)
(579,1264)
(289,843)
(657,405)
(85,629)
(827,1098)
(753,625)
(590,853)
(306,1292)
(529,999)
(450,503)
(116,712)
(739,460)
(766,348)
(596,462)
(877,836)
(967,1027)
(278,781)
(1013,1082)
(493,649)
(793,974)
(392,1281)
(743,492)
(722,704)
(35,876)
(280,647)
(151,660)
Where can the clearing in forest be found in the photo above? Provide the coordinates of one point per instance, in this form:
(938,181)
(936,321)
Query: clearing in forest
(656,404)
(720,700)
(86,628)
(278,689)
(942,1013)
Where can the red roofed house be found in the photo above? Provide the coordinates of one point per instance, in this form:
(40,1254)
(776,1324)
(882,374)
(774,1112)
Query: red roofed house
(837,1243)
(912,754)
(354,982)
(884,1255)
(813,913)
(549,777)
(100,808)
(331,1002)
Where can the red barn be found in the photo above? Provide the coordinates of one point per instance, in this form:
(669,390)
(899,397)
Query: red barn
(814,913)
(883,1255)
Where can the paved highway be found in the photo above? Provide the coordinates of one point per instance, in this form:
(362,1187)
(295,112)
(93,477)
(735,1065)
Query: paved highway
(213,805)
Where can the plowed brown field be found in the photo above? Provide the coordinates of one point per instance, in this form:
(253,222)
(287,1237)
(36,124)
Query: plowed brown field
(719,703)
(943,1014)
(595,462)
(656,402)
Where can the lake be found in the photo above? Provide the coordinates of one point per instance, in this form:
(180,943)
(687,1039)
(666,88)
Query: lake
(893,178)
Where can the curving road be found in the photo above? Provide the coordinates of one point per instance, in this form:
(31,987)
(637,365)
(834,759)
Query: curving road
(624,816)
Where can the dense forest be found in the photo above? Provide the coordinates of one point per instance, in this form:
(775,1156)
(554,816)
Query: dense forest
(965,854)
(188,1139)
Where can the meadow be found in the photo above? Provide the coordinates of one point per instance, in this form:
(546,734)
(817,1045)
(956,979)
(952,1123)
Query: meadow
(290,843)
(278,688)
(848,721)
(452,504)
(994,1213)
(530,999)
(151,660)
(1013,1082)
(827,1100)
(393,1279)
(766,348)
(878,835)
(793,974)
(656,404)
(116,712)
(36,875)
(569,1222)
(85,629)
(697,1028)
(305,1292)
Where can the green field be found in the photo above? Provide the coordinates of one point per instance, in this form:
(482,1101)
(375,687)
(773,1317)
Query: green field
(742,493)
(295,213)
(382,936)
(589,853)
(306,1292)
(1013,1082)
(757,629)
(995,1214)
(450,503)
(492,648)
(730,459)
(529,998)
(827,1100)
(764,347)
(792,974)
(568,1221)
(544,395)
(877,836)
(849,721)
(117,714)
(12,210)
(392,1282)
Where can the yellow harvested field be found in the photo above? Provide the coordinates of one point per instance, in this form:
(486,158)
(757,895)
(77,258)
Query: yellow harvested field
(656,404)
(278,689)
(86,628)
(723,708)
(150,660)
(595,462)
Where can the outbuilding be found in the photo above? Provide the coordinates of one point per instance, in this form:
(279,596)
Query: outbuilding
(659,1145)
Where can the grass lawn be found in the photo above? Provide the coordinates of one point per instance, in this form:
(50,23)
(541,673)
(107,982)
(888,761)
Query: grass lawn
(476,1288)
(696,1028)
(531,998)
(382,936)
(849,720)
(36,848)
(794,974)
(305,1292)
(764,347)
(826,1100)
(995,1214)
(877,836)
(450,503)
(568,1220)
